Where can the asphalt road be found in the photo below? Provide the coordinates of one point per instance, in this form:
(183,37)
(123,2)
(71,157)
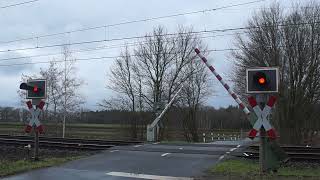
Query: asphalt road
(147,161)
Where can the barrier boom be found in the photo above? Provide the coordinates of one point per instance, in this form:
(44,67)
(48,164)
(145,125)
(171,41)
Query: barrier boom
(152,130)
(155,122)
(224,84)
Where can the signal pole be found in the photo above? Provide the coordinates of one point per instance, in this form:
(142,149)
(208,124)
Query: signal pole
(36,91)
(36,146)
(261,99)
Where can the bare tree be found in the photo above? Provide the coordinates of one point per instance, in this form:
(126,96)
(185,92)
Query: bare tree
(291,42)
(155,71)
(121,78)
(122,81)
(195,91)
(153,60)
(53,76)
(54,102)
(72,99)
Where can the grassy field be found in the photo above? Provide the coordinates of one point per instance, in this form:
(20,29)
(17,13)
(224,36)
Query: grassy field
(14,167)
(106,131)
(249,169)
(99,131)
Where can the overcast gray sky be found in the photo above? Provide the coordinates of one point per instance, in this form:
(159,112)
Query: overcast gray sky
(55,16)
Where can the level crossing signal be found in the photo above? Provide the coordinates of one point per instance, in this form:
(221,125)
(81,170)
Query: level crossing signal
(259,81)
(36,88)
(262,80)
(36,91)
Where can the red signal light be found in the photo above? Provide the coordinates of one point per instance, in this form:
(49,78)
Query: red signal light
(35,89)
(262,80)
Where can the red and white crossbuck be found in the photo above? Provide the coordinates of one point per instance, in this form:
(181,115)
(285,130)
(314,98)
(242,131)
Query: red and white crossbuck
(35,113)
(262,120)
(261,114)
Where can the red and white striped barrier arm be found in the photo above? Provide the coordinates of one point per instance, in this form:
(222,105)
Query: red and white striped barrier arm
(225,85)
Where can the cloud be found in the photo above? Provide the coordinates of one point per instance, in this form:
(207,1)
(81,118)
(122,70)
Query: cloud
(47,17)
(12,69)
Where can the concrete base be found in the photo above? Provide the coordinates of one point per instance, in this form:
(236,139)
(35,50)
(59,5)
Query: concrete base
(151,133)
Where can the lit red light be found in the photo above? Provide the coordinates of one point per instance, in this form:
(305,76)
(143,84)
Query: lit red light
(35,89)
(262,80)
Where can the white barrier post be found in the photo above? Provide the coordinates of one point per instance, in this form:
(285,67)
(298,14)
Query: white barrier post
(212,137)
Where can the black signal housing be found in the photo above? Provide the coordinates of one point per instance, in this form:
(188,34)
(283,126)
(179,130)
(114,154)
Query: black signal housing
(36,88)
(262,80)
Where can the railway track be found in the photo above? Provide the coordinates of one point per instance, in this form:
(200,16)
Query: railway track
(298,153)
(64,143)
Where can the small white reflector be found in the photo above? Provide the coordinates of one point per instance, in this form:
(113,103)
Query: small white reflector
(165,154)
(233,149)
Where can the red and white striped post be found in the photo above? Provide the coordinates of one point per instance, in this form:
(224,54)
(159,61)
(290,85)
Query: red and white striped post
(224,84)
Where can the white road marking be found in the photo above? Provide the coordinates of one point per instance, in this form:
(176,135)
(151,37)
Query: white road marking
(165,154)
(228,152)
(114,151)
(246,154)
(137,146)
(221,157)
(156,143)
(238,146)
(180,148)
(233,149)
(147,176)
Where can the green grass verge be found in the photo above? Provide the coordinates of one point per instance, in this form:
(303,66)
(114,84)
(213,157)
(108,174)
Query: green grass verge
(250,170)
(14,167)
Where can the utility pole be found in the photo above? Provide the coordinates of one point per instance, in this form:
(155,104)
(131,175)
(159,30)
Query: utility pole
(65,98)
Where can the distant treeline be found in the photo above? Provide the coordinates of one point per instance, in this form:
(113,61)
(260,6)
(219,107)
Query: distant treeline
(207,117)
